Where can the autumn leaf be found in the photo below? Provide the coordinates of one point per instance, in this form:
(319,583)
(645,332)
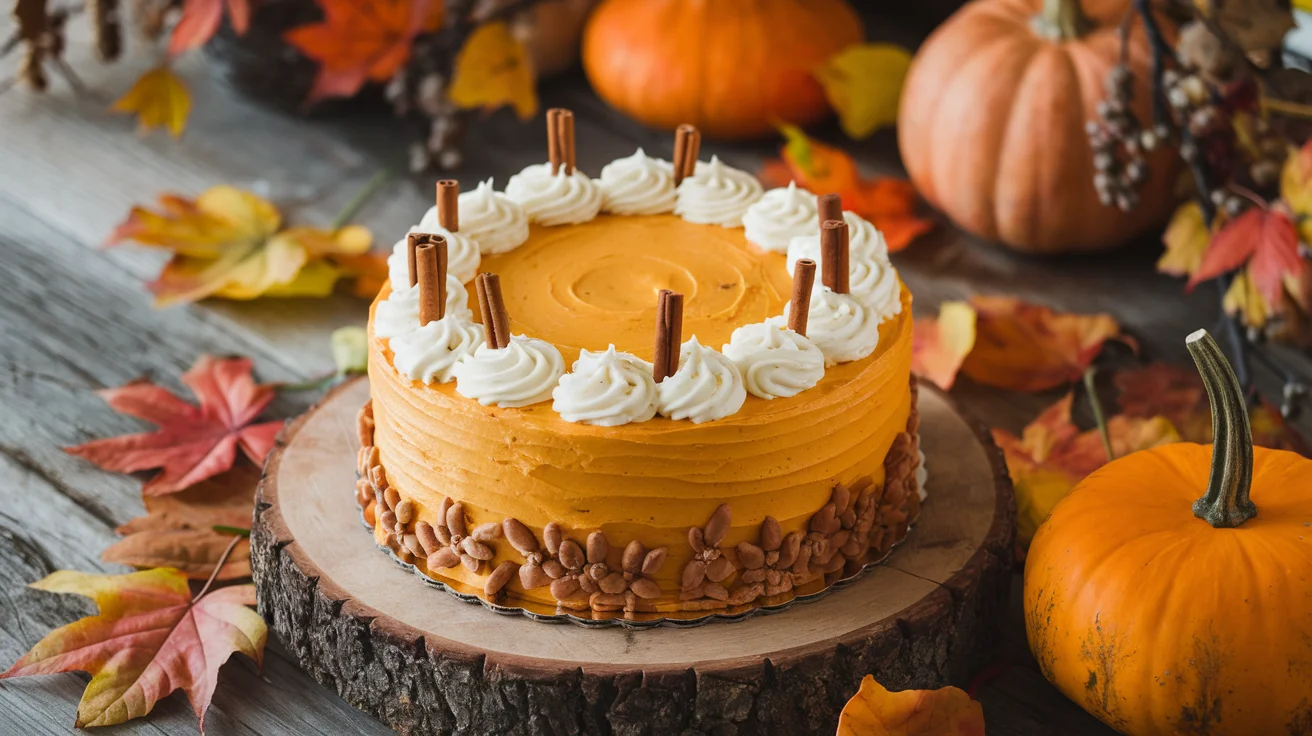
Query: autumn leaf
(863,83)
(494,69)
(159,100)
(1026,347)
(178,530)
(350,347)
(201,18)
(228,243)
(1264,239)
(890,204)
(360,41)
(148,639)
(1296,188)
(940,344)
(874,711)
(1242,298)
(1186,239)
(1052,455)
(192,443)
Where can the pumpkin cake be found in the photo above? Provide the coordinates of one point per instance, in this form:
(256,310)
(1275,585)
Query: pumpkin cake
(644,407)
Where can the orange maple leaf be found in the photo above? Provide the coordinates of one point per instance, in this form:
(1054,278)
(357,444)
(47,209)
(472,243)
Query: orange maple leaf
(1026,347)
(1265,239)
(890,204)
(359,41)
(192,442)
(149,638)
(201,18)
(940,344)
(874,711)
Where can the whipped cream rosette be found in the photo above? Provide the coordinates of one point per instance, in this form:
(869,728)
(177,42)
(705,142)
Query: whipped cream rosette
(706,387)
(775,361)
(637,185)
(864,241)
(843,327)
(463,256)
(429,353)
(606,389)
(717,194)
(522,373)
(780,215)
(493,220)
(398,314)
(555,199)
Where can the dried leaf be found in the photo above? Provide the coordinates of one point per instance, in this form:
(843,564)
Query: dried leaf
(159,100)
(1186,239)
(350,346)
(201,18)
(1256,26)
(940,344)
(494,69)
(1025,347)
(1052,455)
(1263,238)
(1243,298)
(888,203)
(192,443)
(864,83)
(149,639)
(874,711)
(359,41)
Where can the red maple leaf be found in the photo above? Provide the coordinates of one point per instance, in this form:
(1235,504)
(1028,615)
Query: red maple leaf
(362,40)
(200,19)
(1263,238)
(193,442)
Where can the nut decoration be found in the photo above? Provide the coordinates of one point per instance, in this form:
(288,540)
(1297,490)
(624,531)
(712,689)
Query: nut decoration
(455,545)
(765,567)
(703,575)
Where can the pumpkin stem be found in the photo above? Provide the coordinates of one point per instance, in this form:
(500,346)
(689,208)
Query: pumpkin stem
(1060,20)
(1226,503)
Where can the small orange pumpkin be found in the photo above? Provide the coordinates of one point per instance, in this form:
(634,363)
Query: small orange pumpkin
(1161,612)
(733,68)
(992,123)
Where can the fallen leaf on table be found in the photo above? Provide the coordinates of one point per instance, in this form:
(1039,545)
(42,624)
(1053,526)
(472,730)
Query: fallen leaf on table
(940,344)
(493,69)
(192,442)
(201,18)
(1053,454)
(350,347)
(359,41)
(178,529)
(1266,240)
(229,243)
(159,100)
(1026,347)
(863,82)
(1186,239)
(890,204)
(874,711)
(149,639)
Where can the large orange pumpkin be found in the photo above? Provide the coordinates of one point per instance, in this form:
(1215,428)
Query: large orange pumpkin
(733,68)
(992,123)
(1161,612)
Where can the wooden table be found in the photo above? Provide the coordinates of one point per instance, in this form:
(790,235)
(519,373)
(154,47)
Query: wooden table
(76,318)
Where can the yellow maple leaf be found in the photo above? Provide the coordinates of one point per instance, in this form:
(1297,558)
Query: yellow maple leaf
(1296,191)
(864,83)
(1186,240)
(159,100)
(493,69)
(1244,299)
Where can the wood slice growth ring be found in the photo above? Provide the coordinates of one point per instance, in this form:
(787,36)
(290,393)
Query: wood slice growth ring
(424,662)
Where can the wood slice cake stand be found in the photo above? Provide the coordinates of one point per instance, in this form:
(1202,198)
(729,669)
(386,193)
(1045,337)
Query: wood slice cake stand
(424,662)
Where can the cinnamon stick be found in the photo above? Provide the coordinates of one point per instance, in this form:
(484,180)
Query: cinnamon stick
(687,146)
(497,304)
(674,318)
(553,139)
(834,267)
(660,363)
(799,309)
(448,204)
(829,207)
(485,311)
(566,129)
(412,241)
(431,283)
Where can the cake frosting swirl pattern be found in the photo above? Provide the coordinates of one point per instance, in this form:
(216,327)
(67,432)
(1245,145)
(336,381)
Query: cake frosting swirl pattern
(523,373)
(555,199)
(775,361)
(494,221)
(606,389)
(706,387)
(637,185)
(399,313)
(779,216)
(717,194)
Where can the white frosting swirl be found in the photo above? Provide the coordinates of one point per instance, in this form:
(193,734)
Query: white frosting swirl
(637,185)
(779,216)
(875,282)
(717,195)
(559,199)
(775,361)
(496,222)
(428,354)
(863,241)
(706,387)
(462,257)
(522,373)
(844,328)
(398,314)
(606,389)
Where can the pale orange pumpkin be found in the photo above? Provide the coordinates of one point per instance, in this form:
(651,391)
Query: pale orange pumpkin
(1163,612)
(733,68)
(992,123)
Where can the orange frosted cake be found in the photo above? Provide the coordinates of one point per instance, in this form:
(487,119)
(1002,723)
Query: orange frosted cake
(645,410)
